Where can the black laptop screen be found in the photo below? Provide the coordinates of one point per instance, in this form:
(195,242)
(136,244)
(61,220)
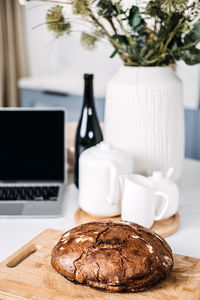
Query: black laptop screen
(31,145)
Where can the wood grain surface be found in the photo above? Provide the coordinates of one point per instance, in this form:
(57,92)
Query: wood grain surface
(32,277)
(164,227)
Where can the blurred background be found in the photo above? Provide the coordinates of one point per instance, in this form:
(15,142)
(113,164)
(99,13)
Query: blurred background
(38,70)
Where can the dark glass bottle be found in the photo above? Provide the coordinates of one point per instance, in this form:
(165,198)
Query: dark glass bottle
(88,132)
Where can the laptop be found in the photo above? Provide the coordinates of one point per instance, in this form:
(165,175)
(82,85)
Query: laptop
(32,161)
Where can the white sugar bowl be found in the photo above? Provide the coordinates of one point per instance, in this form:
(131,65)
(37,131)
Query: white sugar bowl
(99,187)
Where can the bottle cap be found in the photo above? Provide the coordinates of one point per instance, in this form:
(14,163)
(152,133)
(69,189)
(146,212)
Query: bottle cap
(88,76)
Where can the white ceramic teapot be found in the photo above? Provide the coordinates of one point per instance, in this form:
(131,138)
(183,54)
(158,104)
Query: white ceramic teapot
(99,170)
(167,185)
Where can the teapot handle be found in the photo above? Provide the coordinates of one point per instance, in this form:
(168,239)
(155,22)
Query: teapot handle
(114,183)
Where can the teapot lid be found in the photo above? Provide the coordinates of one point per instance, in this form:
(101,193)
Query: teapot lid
(157,175)
(104,150)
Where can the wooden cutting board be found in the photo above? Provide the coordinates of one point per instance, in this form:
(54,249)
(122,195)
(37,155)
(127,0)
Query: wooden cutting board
(27,274)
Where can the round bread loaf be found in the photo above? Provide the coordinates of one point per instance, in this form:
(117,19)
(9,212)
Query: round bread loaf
(112,255)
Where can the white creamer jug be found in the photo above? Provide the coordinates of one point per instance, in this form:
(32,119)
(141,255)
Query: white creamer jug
(139,200)
(99,170)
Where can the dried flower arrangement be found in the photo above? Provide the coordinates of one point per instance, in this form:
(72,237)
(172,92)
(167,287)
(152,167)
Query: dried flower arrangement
(142,33)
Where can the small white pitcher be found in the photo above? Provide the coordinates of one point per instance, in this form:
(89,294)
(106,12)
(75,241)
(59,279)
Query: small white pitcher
(139,200)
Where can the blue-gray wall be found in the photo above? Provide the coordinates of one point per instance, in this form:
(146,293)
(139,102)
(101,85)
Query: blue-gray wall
(34,98)
(192,134)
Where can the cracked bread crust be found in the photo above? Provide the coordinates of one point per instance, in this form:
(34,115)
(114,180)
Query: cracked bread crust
(112,255)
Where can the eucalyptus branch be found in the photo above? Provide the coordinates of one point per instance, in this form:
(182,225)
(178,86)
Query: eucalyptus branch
(128,36)
(98,23)
(155,25)
(188,46)
(172,55)
(162,44)
(115,44)
(172,34)
(112,25)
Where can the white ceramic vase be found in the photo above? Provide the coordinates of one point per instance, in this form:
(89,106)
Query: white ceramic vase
(144,115)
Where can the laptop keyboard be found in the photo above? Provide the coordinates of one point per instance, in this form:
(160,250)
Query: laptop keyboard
(32,193)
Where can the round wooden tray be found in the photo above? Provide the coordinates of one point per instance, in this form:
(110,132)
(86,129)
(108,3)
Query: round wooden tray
(164,227)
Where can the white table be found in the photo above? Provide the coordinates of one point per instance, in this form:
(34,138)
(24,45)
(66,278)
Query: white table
(15,232)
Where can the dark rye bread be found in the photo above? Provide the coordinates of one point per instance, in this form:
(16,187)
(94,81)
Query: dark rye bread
(112,255)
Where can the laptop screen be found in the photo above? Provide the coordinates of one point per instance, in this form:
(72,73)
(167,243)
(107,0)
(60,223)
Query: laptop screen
(32,145)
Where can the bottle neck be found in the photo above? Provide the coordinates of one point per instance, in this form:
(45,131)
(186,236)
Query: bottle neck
(88,98)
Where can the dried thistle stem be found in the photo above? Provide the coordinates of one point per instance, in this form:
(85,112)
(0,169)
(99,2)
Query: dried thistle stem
(54,1)
(125,58)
